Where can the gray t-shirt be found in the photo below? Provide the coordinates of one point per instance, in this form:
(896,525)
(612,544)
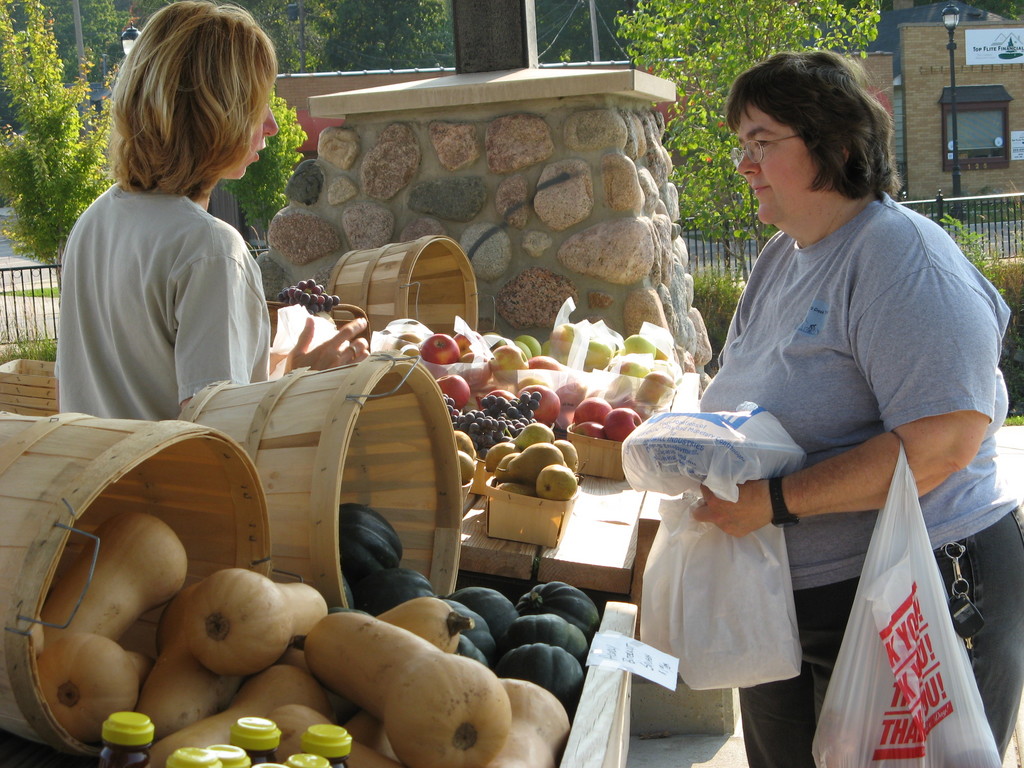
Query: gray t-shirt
(158,300)
(881,323)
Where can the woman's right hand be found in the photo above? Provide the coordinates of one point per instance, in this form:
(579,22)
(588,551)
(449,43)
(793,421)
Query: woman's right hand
(345,347)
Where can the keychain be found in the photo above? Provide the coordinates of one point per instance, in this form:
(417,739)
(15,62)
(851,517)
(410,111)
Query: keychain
(967,619)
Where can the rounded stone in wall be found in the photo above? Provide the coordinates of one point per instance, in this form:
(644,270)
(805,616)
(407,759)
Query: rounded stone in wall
(421,227)
(619,251)
(306,183)
(640,306)
(671,318)
(338,146)
(680,253)
(564,195)
(702,347)
(488,249)
(392,162)
(455,144)
(533,297)
(650,190)
(622,190)
(341,190)
(517,141)
(536,243)
(670,197)
(367,225)
(302,237)
(638,148)
(273,275)
(659,162)
(599,299)
(593,129)
(458,198)
(511,200)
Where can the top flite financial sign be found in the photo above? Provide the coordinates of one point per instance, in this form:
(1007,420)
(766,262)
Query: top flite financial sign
(994,46)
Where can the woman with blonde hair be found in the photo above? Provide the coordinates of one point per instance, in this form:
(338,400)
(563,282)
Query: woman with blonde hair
(159,298)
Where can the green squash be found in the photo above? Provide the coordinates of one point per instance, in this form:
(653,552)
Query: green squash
(384,589)
(548,666)
(564,600)
(469,650)
(480,634)
(367,542)
(496,609)
(547,628)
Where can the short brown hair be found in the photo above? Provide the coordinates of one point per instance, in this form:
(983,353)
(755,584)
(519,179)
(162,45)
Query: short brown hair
(189,97)
(824,98)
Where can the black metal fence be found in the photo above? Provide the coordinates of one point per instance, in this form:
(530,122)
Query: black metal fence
(993,224)
(29,303)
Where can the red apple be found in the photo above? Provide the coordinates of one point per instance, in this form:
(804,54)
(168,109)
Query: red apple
(440,349)
(572,393)
(620,422)
(507,359)
(589,429)
(550,405)
(544,361)
(456,387)
(592,409)
(477,375)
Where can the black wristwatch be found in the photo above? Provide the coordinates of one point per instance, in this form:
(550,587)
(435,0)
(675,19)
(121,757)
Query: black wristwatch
(781,516)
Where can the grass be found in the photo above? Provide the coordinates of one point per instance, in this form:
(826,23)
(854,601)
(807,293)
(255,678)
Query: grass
(29,349)
(1014,421)
(48,293)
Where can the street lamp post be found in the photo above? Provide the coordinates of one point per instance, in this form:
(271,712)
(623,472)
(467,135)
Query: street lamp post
(128,38)
(950,20)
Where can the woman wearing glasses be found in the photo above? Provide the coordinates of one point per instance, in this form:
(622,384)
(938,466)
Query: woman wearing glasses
(862,325)
(159,298)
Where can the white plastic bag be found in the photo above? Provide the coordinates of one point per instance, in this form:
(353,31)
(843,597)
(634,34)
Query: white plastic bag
(900,647)
(723,605)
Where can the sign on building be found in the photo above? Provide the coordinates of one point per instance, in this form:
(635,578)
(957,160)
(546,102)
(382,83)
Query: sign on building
(994,46)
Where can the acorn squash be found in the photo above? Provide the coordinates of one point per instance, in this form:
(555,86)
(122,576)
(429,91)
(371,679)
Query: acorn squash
(367,542)
(547,628)
(498,611)
(384,589)
(549,667)
(479,634)
(565,600)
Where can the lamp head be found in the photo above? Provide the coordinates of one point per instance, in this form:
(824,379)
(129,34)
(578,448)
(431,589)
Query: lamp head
(950,17)
(128,38)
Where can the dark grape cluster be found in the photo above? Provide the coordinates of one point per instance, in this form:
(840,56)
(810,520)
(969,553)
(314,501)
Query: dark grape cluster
(498,419)
(310,295)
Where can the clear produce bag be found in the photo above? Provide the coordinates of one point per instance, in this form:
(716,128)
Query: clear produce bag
(723,605)
(902,693)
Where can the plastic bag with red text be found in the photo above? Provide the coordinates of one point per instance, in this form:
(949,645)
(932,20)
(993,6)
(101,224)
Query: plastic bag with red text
(902,692)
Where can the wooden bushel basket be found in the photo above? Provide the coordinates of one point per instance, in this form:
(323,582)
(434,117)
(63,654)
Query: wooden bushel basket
(65,475)
(28,387)
(375,433)
(429,279)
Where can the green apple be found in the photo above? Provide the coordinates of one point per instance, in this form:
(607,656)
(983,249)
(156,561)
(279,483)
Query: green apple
(526,349)
(599,355)
(639,345)
(532,344)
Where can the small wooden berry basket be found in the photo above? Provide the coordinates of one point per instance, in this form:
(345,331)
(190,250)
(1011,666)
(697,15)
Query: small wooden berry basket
(28,388)
(529,519)
(598,457)
(342,314)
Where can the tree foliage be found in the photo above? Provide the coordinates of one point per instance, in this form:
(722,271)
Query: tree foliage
(703,47)
(53,166)
(565,31)
(260,192)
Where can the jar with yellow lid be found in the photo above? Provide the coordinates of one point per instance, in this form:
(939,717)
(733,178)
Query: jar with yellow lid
(193,757)
(258,736)
(127,737)
(330,741)
(231,756)
(307,760)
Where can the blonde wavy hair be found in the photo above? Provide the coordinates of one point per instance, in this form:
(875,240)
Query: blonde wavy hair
(189,97)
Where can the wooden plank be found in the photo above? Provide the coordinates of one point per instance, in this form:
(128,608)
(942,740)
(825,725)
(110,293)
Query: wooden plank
(600,731)
(597,549)
(495,557)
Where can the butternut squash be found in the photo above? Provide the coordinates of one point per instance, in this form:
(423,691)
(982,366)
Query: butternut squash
(237,622)
(540,727)
(368,730)
(261,694)
(83,678)
(179,690)
(439,710)
(140,565)
(430,618)
(305,604)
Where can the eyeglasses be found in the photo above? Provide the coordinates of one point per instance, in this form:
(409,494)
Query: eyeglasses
(753,150)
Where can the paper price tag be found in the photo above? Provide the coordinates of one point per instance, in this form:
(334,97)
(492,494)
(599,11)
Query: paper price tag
(612,649)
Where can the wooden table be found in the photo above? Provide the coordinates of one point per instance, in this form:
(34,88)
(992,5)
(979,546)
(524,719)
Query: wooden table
(604,548)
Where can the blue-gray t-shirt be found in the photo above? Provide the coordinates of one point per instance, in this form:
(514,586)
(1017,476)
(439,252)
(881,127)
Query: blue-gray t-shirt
(881,323)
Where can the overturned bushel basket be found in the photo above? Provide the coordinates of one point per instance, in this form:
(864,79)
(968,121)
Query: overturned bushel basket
(376,433)
(60,478)
(429,279)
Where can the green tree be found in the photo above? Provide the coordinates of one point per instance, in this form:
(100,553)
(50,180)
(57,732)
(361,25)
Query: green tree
(101,35)
(260,192)
(565,30)
(397,34)
(703,47)
(53,167)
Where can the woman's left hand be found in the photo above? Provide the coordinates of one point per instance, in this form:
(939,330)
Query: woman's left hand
(345,347)
(751,511)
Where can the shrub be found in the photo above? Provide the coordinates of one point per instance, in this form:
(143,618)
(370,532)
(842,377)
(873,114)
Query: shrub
(716,295)
(29,349)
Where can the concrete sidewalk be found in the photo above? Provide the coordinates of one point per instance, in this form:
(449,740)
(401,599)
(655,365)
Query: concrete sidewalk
(726,751)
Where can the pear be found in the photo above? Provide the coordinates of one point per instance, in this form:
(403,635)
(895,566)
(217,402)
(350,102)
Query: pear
(534,433)
(496,453)
(521,488)
(501,471)
(467,467)
(526,466)
(569,453)
(556,482)
(464,442)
